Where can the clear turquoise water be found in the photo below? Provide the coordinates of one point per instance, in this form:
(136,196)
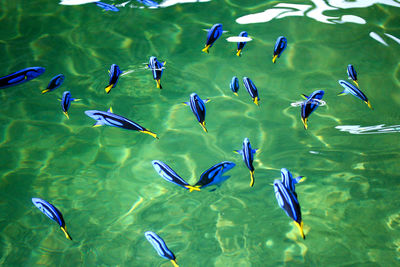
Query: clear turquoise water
(102,179)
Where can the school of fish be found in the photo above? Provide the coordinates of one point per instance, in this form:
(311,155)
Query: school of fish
(284,189)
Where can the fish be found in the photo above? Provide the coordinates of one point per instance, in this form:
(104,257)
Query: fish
(241,45)
(349,88)
(169,175)
(66,102)
(106,7)
(252,89)
(157,69)
(248,156)
(149,3)
(214,175)
(54,83)
(110,119)
(198,108)
(160,246)
(53,213)
(289,203)
(21,76)
(213,34)
(114,73)
(311,103)
(288,181)
(351,72)
(280,46)
(234,85)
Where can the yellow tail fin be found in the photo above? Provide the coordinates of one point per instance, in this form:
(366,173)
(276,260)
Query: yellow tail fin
(174,263)
(369,104)
(158,84)
(304,122)
(66,233)
(45,91)
(300,227)
(356,83)
(204,126)
(255,100)
(251,178)
(205,49)
(238,52)
(274,58)
(150,133)
(193,188)
(108,88)
(66,114)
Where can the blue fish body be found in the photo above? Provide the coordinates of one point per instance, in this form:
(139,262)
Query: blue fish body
(160,246)
(157,69)
(288,181)
(149,3)
(168,174)
(289,203)
(110,119)
(198,108)
(240,45)
(54,83)
(20,76)
(349,88)
(106,7)
(234,85)
(52,212)
(213,34)
(252,89)
(351,72)
(248,156)
(66,102)
(115,72)
(279,47)
(214,175)
(310,105)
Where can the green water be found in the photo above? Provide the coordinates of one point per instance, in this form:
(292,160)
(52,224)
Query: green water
(102,179)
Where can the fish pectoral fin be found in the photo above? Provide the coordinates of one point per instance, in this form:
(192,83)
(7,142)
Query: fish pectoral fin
(165,62)
(299,179)
(108,88)
(64,229)
(342,93)
(300,227)
(174,263)
(206,100)
(110,110)
(98,124)
(254,150)
(274,58)
(76,99)
(150,133)
(45,91)
(238,152)
(251,178)
(205,49)
(193,188)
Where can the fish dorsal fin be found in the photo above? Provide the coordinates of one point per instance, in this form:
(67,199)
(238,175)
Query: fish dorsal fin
(110,110)
(206,100)
(98,124)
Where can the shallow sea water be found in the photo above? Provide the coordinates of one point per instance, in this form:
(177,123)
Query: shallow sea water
(102,179)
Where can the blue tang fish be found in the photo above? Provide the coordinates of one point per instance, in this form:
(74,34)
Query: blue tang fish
(106,7)
(160,246)
(169,175)
(111,119)
(234,85)
(54,83)
(51,212)
(214,175)
(248,156)
(198,108)
(240,45)
(311,103)
(349,88)
(289,203)
(66,102)
(252,89)
(157,69)
(114,73)
(288,181)
(213,34)
(280,46)
(351,72)
(149,3)
(20,76)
